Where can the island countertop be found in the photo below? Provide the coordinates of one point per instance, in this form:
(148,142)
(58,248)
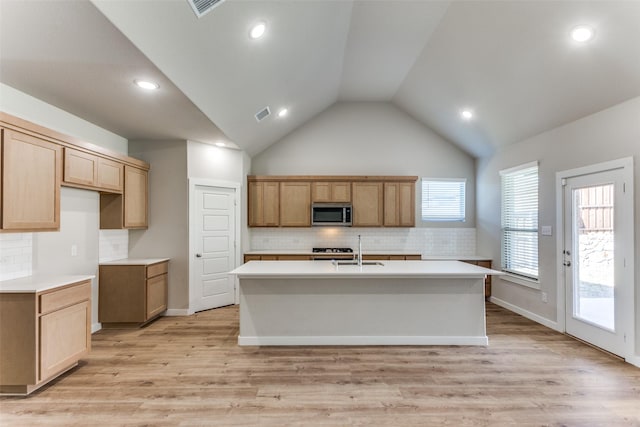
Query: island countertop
(311,269)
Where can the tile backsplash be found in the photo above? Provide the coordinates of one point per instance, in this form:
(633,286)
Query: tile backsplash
(425,241)
(16,255)
(114,245)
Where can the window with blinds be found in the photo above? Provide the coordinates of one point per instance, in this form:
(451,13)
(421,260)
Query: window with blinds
(520,220)
(443,199)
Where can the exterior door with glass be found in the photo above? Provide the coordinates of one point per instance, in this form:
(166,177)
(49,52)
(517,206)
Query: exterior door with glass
(598,230)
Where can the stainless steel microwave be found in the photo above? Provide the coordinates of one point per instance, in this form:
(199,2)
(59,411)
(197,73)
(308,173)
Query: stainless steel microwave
(335,214)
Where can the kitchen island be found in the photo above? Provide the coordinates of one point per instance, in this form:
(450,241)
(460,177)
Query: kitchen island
(383,303)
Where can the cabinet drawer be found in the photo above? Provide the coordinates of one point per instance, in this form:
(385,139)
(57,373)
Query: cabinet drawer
(57,299)
(157,269)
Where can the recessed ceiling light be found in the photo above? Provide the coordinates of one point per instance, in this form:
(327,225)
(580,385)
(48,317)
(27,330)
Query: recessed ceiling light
(466,114)
(283,112)
(258,30)
(145,84)
(220,144)
(582,33)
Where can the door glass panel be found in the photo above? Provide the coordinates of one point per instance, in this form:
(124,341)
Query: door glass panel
(593,257)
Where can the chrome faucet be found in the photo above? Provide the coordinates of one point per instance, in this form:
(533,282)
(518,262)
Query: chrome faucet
(359,251)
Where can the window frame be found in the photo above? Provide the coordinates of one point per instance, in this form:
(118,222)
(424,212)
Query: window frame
(462,182)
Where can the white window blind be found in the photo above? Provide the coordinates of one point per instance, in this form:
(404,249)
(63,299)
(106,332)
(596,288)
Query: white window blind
(520,220)
(443,199)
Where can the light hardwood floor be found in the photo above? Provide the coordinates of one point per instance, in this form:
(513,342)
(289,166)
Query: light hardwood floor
(189,371)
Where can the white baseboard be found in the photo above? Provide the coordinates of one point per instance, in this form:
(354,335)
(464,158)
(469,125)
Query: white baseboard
(634,360)
(177,312)
(525,313)
(95,327)
(362,340)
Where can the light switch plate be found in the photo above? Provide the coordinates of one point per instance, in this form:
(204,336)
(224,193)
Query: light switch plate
(547,230)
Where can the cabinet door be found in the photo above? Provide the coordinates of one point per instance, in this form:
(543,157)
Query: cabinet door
(264,204)
(156,295)
(367,204)
(331,192)
(80,167)
(110,175)
(295,204)
(31,178)
(135,197)
(341,192)
(399,204)
(65,336)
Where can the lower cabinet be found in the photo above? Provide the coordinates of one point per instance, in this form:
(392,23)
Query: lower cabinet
(42,335)
(132,292)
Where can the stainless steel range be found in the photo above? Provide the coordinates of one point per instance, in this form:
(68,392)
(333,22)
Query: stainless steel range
(330,254)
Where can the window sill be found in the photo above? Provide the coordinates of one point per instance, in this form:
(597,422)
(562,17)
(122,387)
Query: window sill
(529,283)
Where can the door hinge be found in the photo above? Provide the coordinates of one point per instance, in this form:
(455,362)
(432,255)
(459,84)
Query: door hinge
(624,187)
(563,181)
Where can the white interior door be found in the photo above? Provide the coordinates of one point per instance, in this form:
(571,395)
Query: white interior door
(598,260)
(214,252)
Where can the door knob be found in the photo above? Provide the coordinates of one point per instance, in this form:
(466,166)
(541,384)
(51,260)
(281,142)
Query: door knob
(198,255)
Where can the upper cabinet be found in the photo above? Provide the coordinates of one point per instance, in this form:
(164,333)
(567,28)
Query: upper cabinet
(264,204)
(37,161)
(31,176)
(295,204)
(367,204)
(127,210)
(334,192)
(86,170)
(285,201)
(399,204)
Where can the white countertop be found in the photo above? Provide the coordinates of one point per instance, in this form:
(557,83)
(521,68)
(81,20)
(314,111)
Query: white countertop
(33,284)
(135,261)
(404,269)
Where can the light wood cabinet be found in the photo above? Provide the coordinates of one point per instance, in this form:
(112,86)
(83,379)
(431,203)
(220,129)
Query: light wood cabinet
(110,175)
(80,168)
(399,204)
(333,192)
(43,334)
(31,178)
(132,294)
(282,257)
(86,170)
(264,204)
(367,204)
(383,257)
(130,209)
(295,204)
(285,201)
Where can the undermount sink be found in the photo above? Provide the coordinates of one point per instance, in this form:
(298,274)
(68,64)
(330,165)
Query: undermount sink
(338,263)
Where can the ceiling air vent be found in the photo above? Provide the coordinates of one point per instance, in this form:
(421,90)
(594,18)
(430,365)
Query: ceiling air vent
(201,7)
(262,114)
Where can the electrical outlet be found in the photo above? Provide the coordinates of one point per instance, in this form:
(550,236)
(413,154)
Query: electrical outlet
(544,297)
(74,250)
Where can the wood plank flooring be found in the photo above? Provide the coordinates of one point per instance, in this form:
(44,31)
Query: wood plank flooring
(188,371)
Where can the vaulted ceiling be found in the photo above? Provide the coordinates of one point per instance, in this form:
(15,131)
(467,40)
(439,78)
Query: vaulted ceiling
(511,62)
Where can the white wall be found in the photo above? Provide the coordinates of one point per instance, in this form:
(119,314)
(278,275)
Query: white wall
(168,232)
(369,138)
(26,107)
(610,134)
